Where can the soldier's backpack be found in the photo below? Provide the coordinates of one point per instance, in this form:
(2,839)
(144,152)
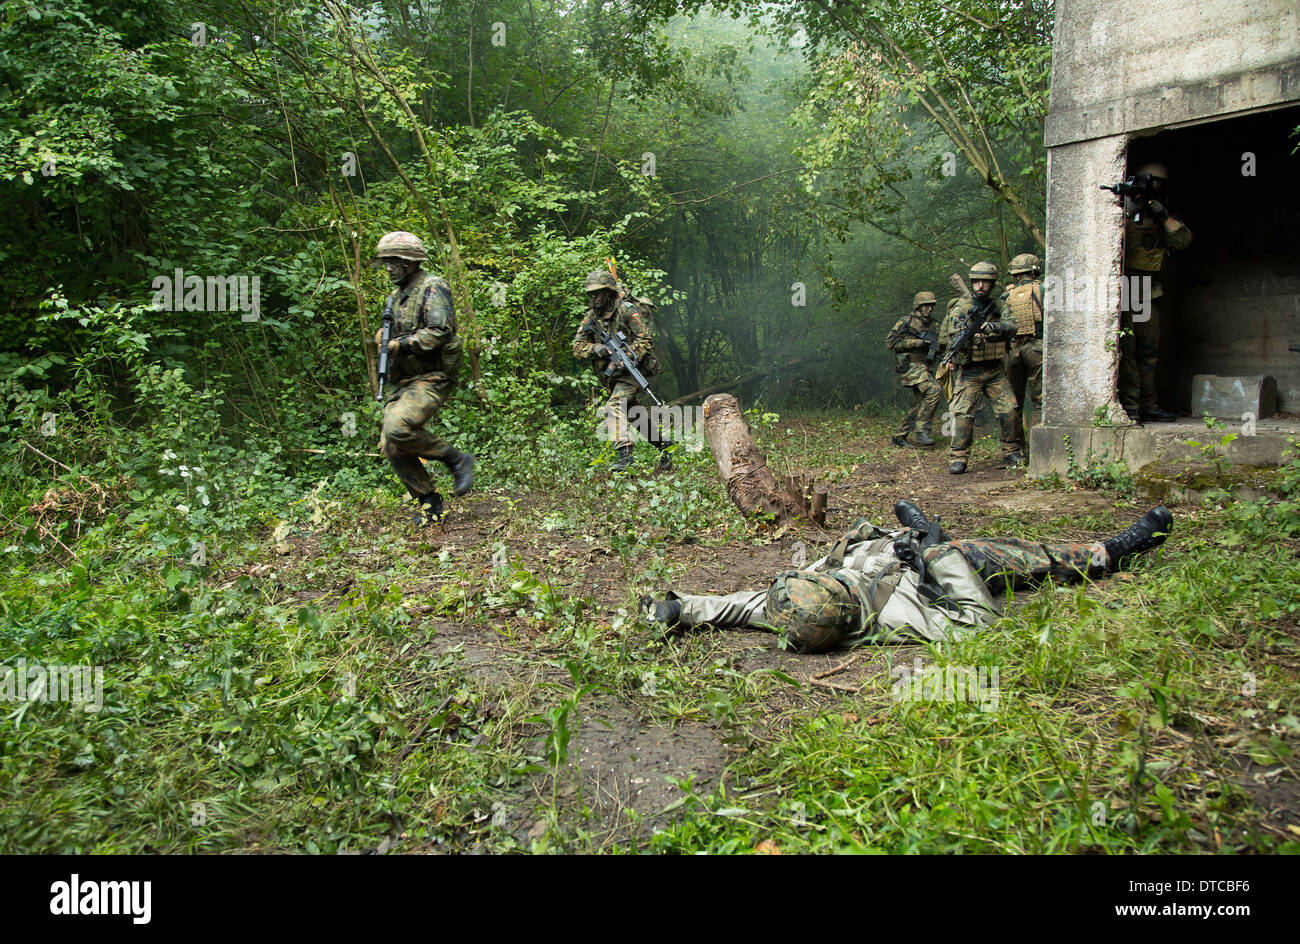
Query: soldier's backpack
(649,364)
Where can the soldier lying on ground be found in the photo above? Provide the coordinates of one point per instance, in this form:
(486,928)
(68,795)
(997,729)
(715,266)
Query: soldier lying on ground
(878,586)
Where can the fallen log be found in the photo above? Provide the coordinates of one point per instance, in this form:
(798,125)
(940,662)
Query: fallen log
(751,485)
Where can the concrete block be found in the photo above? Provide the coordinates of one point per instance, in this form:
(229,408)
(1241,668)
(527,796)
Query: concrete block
(1233,397)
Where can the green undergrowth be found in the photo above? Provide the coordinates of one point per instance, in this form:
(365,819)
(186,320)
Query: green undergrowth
(325,679)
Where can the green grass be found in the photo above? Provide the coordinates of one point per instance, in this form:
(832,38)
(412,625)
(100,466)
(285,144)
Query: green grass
(308,702)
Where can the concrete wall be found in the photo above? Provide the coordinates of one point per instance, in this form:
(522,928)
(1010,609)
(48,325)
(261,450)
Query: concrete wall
(1124,67)
(1085,231)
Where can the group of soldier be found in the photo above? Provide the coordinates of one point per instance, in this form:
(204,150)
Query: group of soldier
(423,369)
(877,584)
(1005,361)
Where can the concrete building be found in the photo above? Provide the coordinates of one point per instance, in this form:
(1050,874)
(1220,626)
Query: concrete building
(1210,88)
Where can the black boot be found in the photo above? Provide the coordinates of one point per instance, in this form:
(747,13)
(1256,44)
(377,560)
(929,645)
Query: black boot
(957,467)
(923,438)
(1157,415)
(667,612)
(665,459)
(1148,533)
(430,509)
(900,441)
(624,459)
(913,517)
(461,467)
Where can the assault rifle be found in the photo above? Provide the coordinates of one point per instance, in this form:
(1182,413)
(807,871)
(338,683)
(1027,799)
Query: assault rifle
(384,338)
(933,351)
(1140,188)
(910,548)
(979,313)
(620,356)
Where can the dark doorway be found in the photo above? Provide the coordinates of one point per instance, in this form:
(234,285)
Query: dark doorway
(1233,297)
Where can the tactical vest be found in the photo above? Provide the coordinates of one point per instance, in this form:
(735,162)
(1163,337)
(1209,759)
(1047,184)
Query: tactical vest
(913,327)
(648,363)
(1144,246)
(980,350)
(409,318)
(1026,306)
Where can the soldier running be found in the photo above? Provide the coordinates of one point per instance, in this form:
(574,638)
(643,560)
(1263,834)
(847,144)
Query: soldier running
(424,367)
(607,308)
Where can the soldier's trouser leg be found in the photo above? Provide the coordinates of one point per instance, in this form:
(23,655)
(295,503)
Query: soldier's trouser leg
(1147,353)
(621,395)
(988,379)
(648,420)
(965,393)
(1128,384)
(1025,378)
(745,608)
(1011,562)
(405,441)
(927,395)
(909,418)
(1004,408)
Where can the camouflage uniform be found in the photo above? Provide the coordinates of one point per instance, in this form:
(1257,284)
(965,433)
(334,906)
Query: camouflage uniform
(628,318)
(910,352)
(958,598)
(424,373)
(979,369)
(1024,366)
(1146,251)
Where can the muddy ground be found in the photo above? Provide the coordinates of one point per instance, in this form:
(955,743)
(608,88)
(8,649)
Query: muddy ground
(624,760)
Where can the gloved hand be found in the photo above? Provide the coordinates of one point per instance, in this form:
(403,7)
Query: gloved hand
(1158,210)
(600,350)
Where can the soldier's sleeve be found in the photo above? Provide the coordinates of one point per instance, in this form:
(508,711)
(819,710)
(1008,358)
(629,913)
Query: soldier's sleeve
(1006,325)
(584,341)
(899,341)
(946,329)
(437,319)
(1178,235)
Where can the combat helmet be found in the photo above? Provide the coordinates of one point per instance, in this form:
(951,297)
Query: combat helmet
(813,609)
(923,298)
(598,279)
(984,270)
(401,245)
(1155,169)
(1026,262)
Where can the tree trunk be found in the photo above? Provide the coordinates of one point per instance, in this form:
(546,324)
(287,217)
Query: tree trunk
(751,486)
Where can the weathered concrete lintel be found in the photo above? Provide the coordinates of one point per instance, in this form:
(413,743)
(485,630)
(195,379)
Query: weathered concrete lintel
(1140,445)
(1273,86)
